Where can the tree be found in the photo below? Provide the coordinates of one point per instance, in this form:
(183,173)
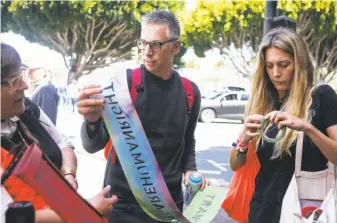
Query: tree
(88,34)
(220,25)
(236,28)
(317,24)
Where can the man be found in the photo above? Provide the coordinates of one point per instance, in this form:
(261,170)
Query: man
(44,93)
(161,106)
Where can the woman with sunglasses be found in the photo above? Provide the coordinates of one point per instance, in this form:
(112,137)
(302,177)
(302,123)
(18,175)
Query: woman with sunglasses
(23,122)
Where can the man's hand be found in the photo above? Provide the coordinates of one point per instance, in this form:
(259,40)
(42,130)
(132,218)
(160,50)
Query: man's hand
(187,175)
(102,204)
(72,180)
(90,108)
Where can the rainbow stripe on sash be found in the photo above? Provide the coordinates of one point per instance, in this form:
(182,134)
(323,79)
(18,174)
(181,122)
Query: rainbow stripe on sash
(140,165)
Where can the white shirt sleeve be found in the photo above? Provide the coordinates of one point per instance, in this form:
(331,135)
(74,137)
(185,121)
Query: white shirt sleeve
(5,200)
(61,140)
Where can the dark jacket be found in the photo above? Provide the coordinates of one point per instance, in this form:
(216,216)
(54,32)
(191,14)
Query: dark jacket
(32,125)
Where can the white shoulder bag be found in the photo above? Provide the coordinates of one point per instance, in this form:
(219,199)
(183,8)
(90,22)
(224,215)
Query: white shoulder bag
(305,185)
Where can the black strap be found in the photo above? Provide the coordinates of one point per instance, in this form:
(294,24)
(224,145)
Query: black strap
(45,141)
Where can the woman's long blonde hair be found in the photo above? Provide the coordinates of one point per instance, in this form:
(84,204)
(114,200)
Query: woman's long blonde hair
(264,96)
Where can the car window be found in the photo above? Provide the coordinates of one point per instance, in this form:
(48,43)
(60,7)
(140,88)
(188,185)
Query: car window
(236,89)
(244,97)
(231,97)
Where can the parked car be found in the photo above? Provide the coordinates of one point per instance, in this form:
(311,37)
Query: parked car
(224,89)
(208,93)
(232,88)
(228,105)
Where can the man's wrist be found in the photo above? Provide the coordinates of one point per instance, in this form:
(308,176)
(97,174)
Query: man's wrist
(92,127)
(95,123)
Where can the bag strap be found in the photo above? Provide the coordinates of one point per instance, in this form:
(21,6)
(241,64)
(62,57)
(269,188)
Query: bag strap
(31,120)
(136,81)
(189,92)
(298,157)
(137,86)
(298,161)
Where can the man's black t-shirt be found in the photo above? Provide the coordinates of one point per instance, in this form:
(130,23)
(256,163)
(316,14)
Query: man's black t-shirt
(162,109)
(275,175)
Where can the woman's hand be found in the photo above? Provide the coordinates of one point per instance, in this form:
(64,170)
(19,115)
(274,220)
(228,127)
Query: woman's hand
(252,124)
(285,119)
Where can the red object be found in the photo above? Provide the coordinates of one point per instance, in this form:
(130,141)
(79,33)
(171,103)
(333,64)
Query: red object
(189,93)
(17,188)
(307,211)
(43,177)
(136,83)
(238,141)
(137,86)
(107,148)
(242,186)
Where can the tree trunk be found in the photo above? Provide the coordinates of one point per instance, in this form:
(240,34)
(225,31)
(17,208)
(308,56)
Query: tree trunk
(71,76)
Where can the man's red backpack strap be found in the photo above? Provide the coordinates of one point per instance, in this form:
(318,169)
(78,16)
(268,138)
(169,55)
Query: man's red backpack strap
(189,94)
(136,87)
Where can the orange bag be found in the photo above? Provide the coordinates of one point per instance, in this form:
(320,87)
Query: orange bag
(242,187)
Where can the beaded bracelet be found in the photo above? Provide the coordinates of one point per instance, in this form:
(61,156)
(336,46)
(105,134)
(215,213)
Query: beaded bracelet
(238,141)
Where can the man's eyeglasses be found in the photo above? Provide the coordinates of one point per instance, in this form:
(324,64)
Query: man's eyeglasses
(154,45)
(13,81)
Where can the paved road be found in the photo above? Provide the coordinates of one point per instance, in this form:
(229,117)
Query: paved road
(214,164)
(212,145)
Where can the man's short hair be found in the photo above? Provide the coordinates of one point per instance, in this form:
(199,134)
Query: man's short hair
(166,18)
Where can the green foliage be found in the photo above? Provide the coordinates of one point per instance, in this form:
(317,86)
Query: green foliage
(317,24)
(97,32)
(239,24)
(215,23)
(192,64)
